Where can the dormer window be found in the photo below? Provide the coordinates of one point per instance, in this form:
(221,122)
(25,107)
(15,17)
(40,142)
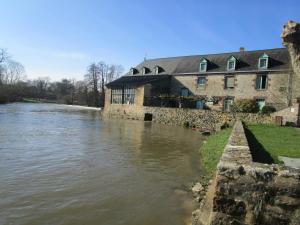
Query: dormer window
(231,63)
(133,71)
(263,61)
(157,69)
(203,65)
(145,70)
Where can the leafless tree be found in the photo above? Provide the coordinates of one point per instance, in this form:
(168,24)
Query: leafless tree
(92,78)
(12,72)
(41,85)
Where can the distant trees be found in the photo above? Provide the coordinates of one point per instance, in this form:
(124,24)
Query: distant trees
(90,91)
(98,76)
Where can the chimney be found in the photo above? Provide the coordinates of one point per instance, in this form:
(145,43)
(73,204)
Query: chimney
(242,49)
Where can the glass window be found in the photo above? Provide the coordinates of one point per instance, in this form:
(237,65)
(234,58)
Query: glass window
(200,104)
(229,82)
(263,63)
(260,103)
(203,67)
(201,81)
(184,92)
(129,95)
(123,96)
(231,63)
(227,104)
(116,96)
(261,82)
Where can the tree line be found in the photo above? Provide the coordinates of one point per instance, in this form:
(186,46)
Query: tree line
(89,91)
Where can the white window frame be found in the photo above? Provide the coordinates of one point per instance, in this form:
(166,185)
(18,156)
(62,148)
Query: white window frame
(231,59)
(259,87)
(263,57)
(203,62)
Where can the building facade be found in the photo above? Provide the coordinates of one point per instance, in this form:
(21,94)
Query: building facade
(208,81)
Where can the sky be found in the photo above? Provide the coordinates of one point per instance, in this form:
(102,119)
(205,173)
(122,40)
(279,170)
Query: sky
(60,38)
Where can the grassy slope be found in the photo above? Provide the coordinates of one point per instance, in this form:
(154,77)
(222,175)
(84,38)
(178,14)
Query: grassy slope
(277,141)
(212,149)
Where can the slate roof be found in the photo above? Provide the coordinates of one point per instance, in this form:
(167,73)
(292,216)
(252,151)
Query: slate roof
(137,80)
(217,63)
(247,61)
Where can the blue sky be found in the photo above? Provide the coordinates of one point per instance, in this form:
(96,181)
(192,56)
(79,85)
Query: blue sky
(60,38)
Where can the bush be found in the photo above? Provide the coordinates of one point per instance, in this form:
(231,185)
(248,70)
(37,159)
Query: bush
(268,109)
(245,106)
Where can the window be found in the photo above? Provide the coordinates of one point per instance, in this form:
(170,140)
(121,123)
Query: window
(263,61)
(123,96)
(231,63)
(261,82)
(133,71)
(203,65)
(184,92)
(200,104)
(116,96)
(145,70)
(227,104)
(201,82)
(260,103)
(158,69)
(129,94)
(229,82)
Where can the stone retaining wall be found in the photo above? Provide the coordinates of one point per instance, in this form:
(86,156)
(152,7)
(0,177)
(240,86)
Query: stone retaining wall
(245,192)
(206,119)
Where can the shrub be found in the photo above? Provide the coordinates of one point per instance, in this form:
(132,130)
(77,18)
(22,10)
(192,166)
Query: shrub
(268,109)
(245,106)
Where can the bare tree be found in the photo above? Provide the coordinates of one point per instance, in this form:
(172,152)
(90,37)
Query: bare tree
(93,78)
(12,72)
(41,85)
(3,58)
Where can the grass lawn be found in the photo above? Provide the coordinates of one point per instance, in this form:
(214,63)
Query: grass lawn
(212,149)
(273,141)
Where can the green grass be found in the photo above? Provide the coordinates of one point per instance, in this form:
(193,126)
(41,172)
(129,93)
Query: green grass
(212,149)
(274,140)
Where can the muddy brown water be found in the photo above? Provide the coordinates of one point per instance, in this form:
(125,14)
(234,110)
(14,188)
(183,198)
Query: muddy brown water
(64,165)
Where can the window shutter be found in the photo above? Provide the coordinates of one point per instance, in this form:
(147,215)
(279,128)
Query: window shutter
(230,82)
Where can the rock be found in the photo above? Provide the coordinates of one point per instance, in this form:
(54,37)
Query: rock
(287,201)
(197,189)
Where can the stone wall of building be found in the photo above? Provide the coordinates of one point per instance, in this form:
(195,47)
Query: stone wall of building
(245,192)
(290,115)
(275,94)
(205,119)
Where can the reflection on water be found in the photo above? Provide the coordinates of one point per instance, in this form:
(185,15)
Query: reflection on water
(60,165)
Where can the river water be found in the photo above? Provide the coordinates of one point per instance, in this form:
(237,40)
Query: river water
(63,165)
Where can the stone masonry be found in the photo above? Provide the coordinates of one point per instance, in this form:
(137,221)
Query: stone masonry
(245,192)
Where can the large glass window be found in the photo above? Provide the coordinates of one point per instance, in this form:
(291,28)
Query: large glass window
(116,96)
(129,94)
(229,82)
(201,82)
(123,96)
(261,82)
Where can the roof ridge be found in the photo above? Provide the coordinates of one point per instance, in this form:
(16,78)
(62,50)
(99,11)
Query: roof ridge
(224,53)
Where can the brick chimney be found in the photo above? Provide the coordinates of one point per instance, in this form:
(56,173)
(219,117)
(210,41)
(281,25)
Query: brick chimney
(242,49)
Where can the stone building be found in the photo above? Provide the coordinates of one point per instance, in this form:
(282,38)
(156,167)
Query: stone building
(211,81)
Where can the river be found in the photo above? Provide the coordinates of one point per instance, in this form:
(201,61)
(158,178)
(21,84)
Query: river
(61,165)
